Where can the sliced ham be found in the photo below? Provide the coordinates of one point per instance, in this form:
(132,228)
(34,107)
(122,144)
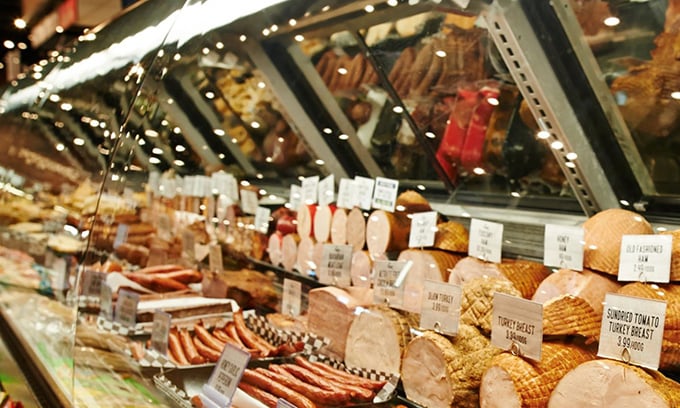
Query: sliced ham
(322,222)
(387,232)
(587,285)
(603,233)
(525,275)
(440,373)
(289,250)
(274,245)
(339,227)
(305,255)
(361,269)
(305,220)
(356,229)
(427,265)
(609,383)
(376,339)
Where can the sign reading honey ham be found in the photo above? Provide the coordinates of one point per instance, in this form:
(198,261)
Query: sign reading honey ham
(423,229)
(563,247)
(310,190)
(441,307)
(385,194)
(517,325)
(486,240)
(335,265)
(632,330)
(645,258)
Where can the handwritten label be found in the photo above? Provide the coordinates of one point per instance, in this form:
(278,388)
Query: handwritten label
(310,189)
(92,282)
(440,309)
(645,258)
(160,330)
(385,194)
(188,246)
(228,371)
(164,227)
(262,219)
(346,193)
(363,188)
(291,302)
(517,325)
(486,240)
(327,190)
(126,308)
(121,235)
(249,201)
(563,247)
(632,330)
(335,265)
(423,229)
(106,302)
(215,258)
(387,288)
(295,196)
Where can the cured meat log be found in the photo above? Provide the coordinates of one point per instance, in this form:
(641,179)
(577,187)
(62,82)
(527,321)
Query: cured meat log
(322,222)
(426,265)
(305,255)
(603,233)
(274,248)
(305,220)
(339,227)
(289,249)
(376,339)
(356,229)
(609,383)
(361,270)
(524,275)
(476,304)
(514,382)
(452,236)
(439,373)
(387,232)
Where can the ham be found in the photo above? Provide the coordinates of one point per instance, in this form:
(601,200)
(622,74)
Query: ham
(305,220)
(609,383)
(587,285)
(476,303)
(322,222)
(569,315)
(330,314)
(356,229)
(289,250)
(411,201)
(438,373)
(524,275)
(339,227)
(274,250)
(386,232)
(305,255)
(427,265)
(603,233)
(452,236)
(361,270)
(376,339)
(675,255)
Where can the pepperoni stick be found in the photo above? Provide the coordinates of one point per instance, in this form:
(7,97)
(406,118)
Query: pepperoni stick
(254,378)
(230,330)
(314,393)
(259,394)
(319,377)
(205,351)
(324,369)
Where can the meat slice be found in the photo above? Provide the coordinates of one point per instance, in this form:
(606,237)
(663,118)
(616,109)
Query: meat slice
(305,220)
(356,229)
(386,232)
(476,304)
(305,255)
(289,249)
(609,383)
(339,227)
(322,222)
(570,315)
(361,269)
(427,265)
(274,245)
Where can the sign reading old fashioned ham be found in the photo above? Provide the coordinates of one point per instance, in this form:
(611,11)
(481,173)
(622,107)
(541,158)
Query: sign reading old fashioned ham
(645,258)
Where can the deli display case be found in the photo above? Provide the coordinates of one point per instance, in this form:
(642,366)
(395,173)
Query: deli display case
(343,203)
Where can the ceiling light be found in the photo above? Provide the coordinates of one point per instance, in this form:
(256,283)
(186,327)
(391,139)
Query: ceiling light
(543,134)
(59,29)
(219,132)
(78,141)
(210,94)
(157,150)
(299,38)
(343,137)
(180,148)
(243,38)
(154,160)
(54,98)
(22,46)
(572,156)
(557,145)
(398,109)
(60,147)
(292,22)
(66,107)
(8,44)
(176,130)
(369,8)
(219,45)
(20,23)
(612,21)
(179,162)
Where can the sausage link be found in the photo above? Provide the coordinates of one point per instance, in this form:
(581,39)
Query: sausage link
(176,351)
(207,338)
(365,382)
(206,351)
(250,338)
(259,394)
(314,393)
(254,378)
(190,348)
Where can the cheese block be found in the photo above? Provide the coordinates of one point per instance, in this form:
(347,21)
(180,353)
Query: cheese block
(330,314)
(587,285)
(305,220)
(609,383)
(426,265)
(603,233)
(440,373)
(356,229)
(476,304)
(376,339)
(322,222)
(361,270)
(514,382)
(570,315)
(339,227)
(452,236)
(305,255)
(289,248)
(274,245)
(387,232)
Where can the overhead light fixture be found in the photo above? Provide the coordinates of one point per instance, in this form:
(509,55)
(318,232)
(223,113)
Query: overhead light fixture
(59,29)
(78,141)
(9,44)
(22,46)
(180,148)
(20,23)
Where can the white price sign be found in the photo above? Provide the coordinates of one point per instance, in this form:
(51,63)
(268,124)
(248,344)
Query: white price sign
(563,247)
(215,258)
(517,325)
(423,229)
(486,240)
(632,330)
(363,190)
(262,219)
(441,307)
(295,196)
(645,258)
(228,371)
(346,193)
(160,330)
(327,190)
(188,246)
(387,282)
(92,282)
(249,201)
(310,190)
(335,265)
(291,302)
(126,308)
(106,302)
(121,235)
(385,194)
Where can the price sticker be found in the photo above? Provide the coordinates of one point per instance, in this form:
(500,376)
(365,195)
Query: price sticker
(423,229)
(440,310)
(563,247)
(228,371)
(645,258)
(106,302)
(632,330)
(262,216)
(335,265)
(126,308)
(292,297)
(92,282)
(363,192)
(310,190)
(385,194)
(486,240)
(188,246)
(295,196)
(346,193)
(160,330)
(327,190)
(121,235)
(249,201)
(387,282)
(517,325)
(215,258)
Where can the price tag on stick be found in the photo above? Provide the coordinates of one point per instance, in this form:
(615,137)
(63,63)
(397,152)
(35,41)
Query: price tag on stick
(215,258)
(385,194)
(262,219)
(563,247)
(517,325)
(291,302)
(106,302)
(327,190)
(228,371)
(386,284)
(423,229)
(363,190)
(486,240)
(160,331)
(441,307)
(335,265)
(310,190)
(249,201)
(126,308)
(645,258)
(346,194)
